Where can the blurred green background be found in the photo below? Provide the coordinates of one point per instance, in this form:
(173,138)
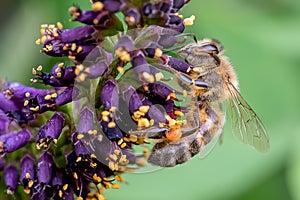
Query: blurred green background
(262,39)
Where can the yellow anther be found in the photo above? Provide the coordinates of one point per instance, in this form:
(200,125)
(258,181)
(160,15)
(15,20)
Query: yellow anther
(79,198)
(144,109)
(120,141)
(72,57)
(66,47)
(93,164)
(105,113)
(38,41)
(78,159)
(27,191)
(105,118)
(113,157)
(43,39)
(189,21)
(65,187)
(92,132)
(112,109)
(73,47)
(59,25)
(115,186)
(178,113)
(55,141)
(97,6)
(42,31)
(120,70)
(123,159)
(159,76)
(60,65)
(133,138)
(148,77)
(27,175)
(75,175)
(79,49)
(93,156)
(47,97)
(151,122)
(172,95)
(30,183)
(37,108)
(117,152)
(39,68)
(33,71)
(60,193)
(119,179)
(97,178)
(80,136)
(26,102)
(130,20)
(158,53)
(143,122)
(54,95)
(123,54)
(178,15)
(123,145)
(111,125)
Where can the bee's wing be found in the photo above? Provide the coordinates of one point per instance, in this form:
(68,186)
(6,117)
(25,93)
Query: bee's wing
(246,125)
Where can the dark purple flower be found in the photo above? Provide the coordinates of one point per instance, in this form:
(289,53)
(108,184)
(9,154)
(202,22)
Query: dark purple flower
(132,16)
(11,179)
(50,131)
(176,23)
(177,5)
(110,95)
(113,5)
(4,121)
(6,103)
(27,173)
(10,142)
(44,168)
(68,95)
(58,77)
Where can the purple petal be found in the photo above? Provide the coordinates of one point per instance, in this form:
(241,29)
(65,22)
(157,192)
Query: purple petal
(44,168)
(86,120)
(11,179)
(10,142)
(109,95)
(27,170)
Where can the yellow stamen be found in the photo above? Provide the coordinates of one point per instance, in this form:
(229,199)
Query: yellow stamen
(27,175)
(80,136)
(59,25)
(39,68)
(189,21)
(97,6)
(111,125)
(158,53)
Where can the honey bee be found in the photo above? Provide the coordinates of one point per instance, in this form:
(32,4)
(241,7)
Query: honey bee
(206,118)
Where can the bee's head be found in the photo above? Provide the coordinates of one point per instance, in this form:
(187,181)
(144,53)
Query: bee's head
(202,52)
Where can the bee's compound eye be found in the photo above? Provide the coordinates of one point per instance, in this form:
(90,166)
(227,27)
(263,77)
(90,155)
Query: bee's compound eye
(211,47)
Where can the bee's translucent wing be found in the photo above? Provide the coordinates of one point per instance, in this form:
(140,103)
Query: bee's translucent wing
(246,125)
